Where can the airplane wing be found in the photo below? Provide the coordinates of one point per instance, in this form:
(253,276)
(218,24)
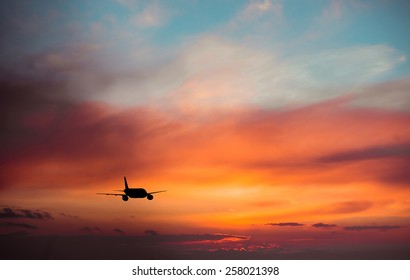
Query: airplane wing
(156,192)
(116,194)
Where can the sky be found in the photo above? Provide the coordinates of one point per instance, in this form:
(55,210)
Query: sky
(279,128)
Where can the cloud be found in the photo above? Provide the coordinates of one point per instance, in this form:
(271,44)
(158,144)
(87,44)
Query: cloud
(69,216)
(25,213)
(117,230)
(354,66)
(256,77)
(61,134)
(345,207)
(69,60)
(399,150)
(100,109)
(339,9)
(242,90)
(213,71)
(285,224)
(209,237)
(322,225)
(91,230)
(388,162)
(209,72)
(151,232)
(22,225)
(334,11)
(257,8)
(224,72)
(153,15)
(392,95)
(53,135)
(397,173)
(121,247)
(365,228)
(202,238)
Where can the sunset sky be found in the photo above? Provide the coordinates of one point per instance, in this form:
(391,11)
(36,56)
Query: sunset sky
(278,127)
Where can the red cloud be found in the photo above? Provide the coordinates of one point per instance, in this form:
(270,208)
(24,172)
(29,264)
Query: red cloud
(94,139)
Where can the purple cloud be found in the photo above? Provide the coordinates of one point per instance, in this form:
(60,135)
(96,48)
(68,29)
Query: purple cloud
(386,151)
(91,230)
(381,228)
(322,225)
(285,224)
(23,225)
(120,231)
(24,213)
(151,232)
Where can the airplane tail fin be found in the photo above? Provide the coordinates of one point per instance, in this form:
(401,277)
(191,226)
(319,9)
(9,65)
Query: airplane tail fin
(125,183)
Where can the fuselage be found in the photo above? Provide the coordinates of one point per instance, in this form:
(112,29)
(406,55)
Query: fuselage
(136,193)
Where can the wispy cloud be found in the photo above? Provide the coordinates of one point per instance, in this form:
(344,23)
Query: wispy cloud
(202,238)
(399,150)
(139,248)
(21,225)
(88,131)
(285,224)
(120,231)
(322,225)
(151,232)
(91,230)
(25,213)
(70,216)
(391,95)
(153,15)
(333,11)
(257,8)
(338,9)
(220,110)
(365,228)
(398,156)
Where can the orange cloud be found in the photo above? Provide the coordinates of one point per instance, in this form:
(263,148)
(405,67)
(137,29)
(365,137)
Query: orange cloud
(232,169)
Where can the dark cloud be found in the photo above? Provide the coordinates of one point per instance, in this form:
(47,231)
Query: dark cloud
(21,225)
(384,163)
(69,216)
(151,232)
(24,213)
(117,230)
(36,214)
(46,116)
(397,172)
(29,112)
(401,150)
(91,230)
(184,238)
(43,122)
(100,247)
(285,224)
(363,228)
(9,213)
(322,225)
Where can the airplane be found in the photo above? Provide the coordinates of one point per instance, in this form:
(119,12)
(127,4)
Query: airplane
(133,192)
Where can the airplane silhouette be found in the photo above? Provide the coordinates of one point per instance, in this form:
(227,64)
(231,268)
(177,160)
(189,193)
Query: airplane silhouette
(133,192)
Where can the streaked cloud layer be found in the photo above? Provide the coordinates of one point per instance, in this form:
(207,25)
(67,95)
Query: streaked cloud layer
(252,113)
